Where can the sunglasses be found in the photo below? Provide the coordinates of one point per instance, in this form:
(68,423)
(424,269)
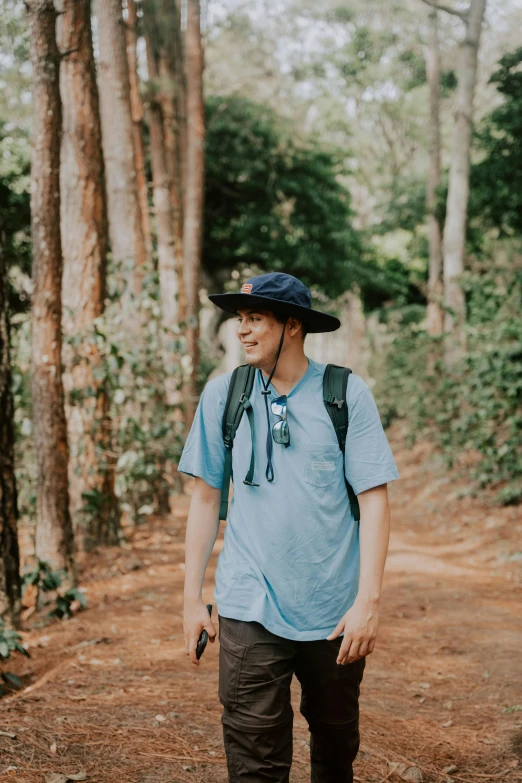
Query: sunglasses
(280,431)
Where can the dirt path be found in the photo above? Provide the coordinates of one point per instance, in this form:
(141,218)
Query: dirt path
(112,692)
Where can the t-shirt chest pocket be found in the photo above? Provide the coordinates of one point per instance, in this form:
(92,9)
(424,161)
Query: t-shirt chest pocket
(323,462)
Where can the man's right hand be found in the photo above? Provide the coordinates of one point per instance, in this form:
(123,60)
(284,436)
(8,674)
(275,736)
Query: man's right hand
(195,619)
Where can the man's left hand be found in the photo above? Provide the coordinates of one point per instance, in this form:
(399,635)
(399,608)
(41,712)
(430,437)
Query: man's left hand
(359,626)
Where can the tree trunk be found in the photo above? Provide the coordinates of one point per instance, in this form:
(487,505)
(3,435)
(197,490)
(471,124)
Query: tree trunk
(175,53)
(164,229)
(137,127)
(125,226)
(172,142)
(54,535)
(10,594)
(458,190)
(435,314)
(193,201)
(94,507)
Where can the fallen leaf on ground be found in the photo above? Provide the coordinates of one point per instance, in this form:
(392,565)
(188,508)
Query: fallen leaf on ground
(406,772)
(60,777)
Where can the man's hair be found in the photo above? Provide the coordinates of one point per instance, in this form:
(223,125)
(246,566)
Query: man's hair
(281,319)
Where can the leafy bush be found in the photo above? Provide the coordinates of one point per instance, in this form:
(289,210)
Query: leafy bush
(48,581)
(476,407)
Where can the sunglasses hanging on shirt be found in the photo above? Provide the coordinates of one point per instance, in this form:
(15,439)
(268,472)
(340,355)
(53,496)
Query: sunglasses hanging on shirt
(280,431)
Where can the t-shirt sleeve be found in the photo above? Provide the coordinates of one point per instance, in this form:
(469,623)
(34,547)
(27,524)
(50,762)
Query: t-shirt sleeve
(204,451)
(368,457)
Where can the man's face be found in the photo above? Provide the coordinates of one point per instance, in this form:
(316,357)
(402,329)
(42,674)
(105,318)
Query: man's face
(259,333)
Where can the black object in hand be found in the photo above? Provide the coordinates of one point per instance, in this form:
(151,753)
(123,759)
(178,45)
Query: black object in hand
(203,639)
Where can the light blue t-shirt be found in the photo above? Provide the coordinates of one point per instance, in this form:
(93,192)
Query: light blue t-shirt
(290,558)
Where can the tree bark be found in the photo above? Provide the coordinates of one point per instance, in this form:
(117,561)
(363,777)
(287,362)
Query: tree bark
(172,142)
(175,55)
(458,190)
(164,229)
(435,318)
(125,226)
(193,201)
(10,594)
(54,535)
(94,508)
(137,126)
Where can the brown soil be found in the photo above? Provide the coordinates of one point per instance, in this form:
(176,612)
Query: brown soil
(112,692)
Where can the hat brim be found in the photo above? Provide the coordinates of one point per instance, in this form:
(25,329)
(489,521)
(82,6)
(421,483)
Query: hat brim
(315,320)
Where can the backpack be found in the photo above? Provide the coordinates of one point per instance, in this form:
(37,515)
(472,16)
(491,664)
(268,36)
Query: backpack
(335,382)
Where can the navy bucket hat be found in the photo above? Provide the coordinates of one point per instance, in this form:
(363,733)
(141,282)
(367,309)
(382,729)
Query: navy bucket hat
(281,293)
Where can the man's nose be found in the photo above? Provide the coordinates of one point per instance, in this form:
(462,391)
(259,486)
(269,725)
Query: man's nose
(243,328)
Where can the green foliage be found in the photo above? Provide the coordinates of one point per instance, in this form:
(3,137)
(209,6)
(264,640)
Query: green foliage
(48,581)
(15,73)
(43,577)
(10,641)
(64,601)
(273,203)
(147,432)
(400,249)
(405,204)
(15,219)
(476,409)
(496,182)
(448,81)
(414,65)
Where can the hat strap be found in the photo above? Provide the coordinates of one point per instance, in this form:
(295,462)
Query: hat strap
(269,473)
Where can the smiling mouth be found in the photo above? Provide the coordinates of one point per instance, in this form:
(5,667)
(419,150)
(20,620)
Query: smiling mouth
(249,345)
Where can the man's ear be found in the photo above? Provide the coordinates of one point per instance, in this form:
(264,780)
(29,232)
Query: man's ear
(293,324)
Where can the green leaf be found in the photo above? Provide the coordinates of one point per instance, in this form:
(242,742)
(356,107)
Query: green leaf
(74,594)
(20,648)
(12,680)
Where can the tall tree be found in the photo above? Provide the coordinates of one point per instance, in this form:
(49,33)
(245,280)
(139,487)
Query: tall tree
(172,69)
(9,554)
(54,534)
(137,124)
(435,317)
(193,197)
(164,222)
(170,98)
(454,240)
(162,22)
(125,221)
(85,245)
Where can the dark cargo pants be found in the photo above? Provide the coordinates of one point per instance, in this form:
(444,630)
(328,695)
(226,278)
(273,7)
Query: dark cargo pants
(255,672)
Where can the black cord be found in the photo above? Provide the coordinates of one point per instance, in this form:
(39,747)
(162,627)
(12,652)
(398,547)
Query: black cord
(269,473)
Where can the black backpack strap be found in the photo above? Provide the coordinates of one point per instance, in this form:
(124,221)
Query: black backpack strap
(237,402)
(335,395)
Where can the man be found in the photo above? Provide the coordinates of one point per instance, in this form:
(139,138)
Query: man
(298,581)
